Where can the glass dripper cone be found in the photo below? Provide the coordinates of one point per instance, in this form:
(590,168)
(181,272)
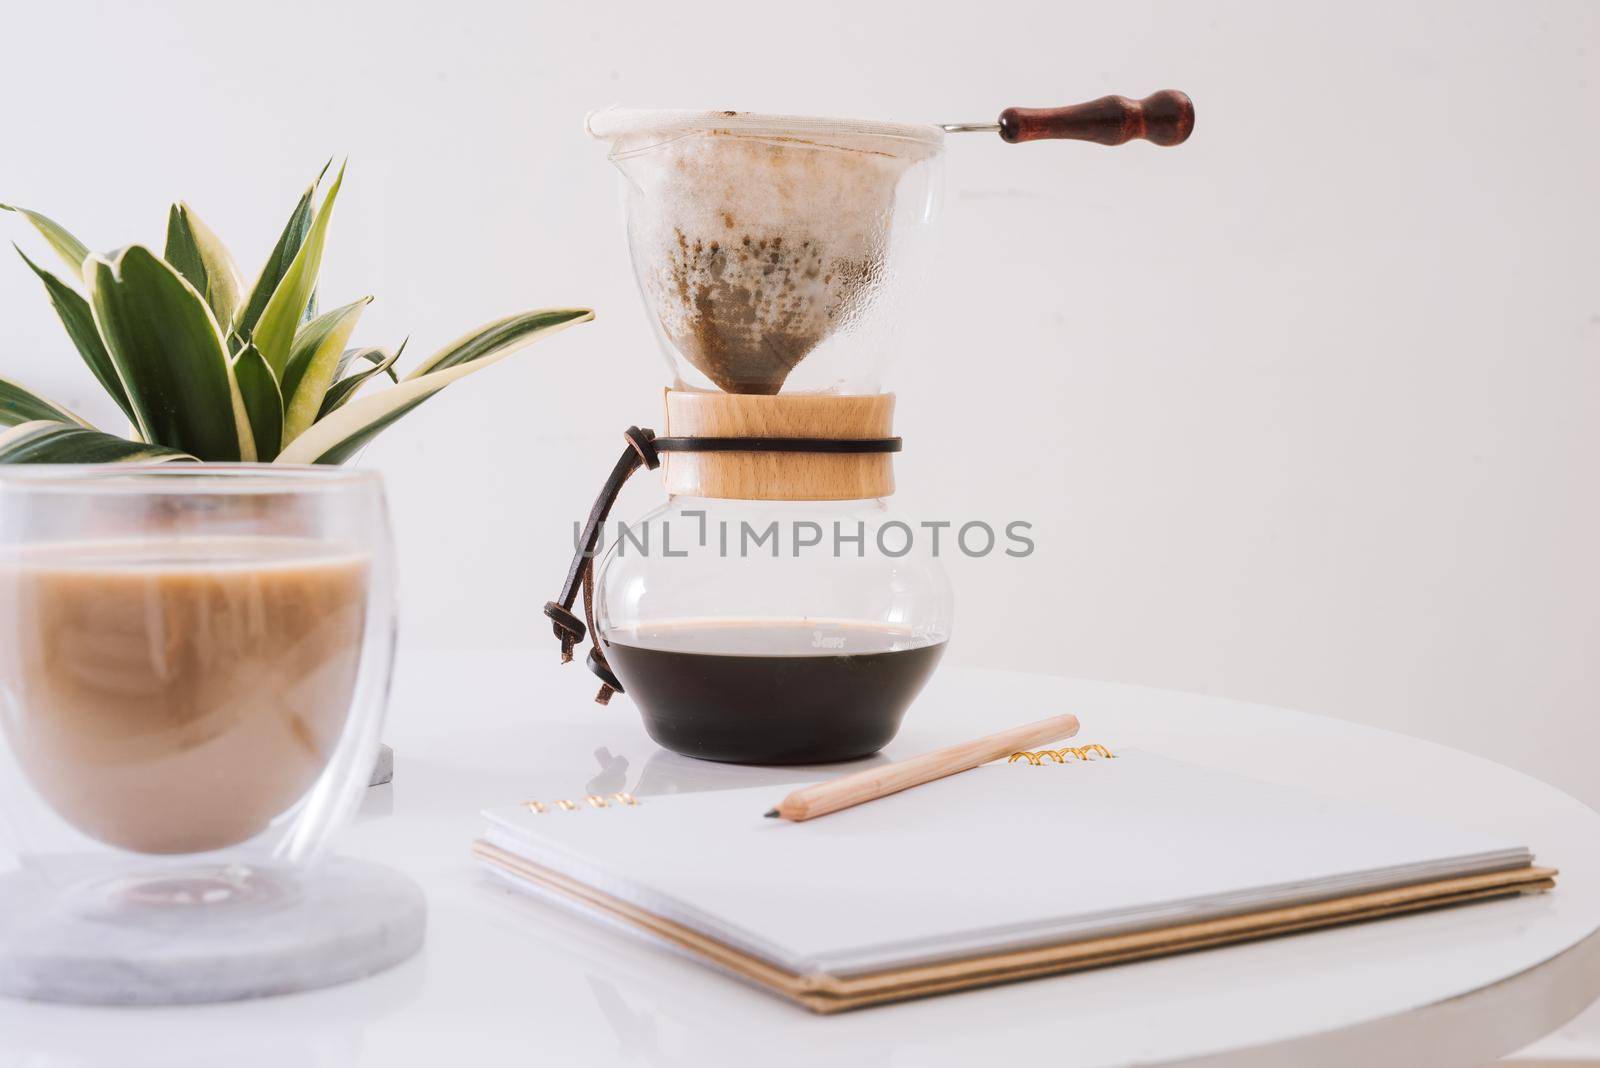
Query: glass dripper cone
(757,240)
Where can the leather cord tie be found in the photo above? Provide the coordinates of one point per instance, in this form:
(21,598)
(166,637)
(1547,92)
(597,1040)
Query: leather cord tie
(644,450)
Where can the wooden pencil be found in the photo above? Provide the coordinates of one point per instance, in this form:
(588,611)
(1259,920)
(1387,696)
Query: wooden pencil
(873,783)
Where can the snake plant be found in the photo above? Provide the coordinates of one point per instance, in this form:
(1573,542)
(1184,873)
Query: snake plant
(207,368)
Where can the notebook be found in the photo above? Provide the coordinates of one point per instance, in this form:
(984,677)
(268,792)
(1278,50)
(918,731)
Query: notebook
(1042,864)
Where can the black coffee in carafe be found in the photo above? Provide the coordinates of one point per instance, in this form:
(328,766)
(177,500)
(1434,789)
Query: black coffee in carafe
(772,691)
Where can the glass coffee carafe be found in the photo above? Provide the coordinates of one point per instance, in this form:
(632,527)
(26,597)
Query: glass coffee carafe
(774,610)
(802,642)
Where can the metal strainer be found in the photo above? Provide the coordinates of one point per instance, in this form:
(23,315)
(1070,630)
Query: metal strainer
(757,237)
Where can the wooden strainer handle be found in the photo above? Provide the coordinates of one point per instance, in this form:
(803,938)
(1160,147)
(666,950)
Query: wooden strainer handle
(1166,118)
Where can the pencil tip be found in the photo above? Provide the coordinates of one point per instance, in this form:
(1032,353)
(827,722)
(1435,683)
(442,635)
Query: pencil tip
(772,813)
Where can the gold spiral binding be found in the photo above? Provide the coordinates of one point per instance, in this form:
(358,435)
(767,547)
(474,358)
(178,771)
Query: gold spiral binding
(1081,753)
(621,797)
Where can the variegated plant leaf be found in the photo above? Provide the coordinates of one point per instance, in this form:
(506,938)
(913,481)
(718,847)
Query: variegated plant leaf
(201,257)
(277,265)
(274,332)
(21,405)
(490,338)
(168,352)
(263,401)
(78,318)
(346,387)
(69,248)
(343,433)
(312,363)
(48,442)
(372,354)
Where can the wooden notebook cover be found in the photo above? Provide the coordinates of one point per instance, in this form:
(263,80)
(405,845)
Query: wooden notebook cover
(826,993)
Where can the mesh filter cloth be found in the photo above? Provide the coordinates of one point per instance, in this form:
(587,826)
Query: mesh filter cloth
(755,237)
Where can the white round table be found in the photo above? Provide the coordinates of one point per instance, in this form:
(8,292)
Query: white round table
(508,980)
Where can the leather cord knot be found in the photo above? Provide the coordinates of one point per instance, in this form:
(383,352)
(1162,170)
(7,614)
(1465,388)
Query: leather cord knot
(643,442)
(569,628)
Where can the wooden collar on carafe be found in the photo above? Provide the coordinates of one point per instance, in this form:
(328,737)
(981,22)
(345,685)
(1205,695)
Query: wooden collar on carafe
(778,476)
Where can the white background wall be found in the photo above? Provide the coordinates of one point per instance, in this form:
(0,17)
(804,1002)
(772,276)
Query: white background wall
(1304,412)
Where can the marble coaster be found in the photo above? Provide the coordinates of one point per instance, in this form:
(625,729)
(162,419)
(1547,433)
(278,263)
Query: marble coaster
(383,767)
(195,935)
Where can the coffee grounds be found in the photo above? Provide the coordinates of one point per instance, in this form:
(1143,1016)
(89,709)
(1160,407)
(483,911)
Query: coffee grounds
(747,311)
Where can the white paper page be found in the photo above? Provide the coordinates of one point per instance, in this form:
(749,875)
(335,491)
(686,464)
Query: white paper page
(1002,856)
